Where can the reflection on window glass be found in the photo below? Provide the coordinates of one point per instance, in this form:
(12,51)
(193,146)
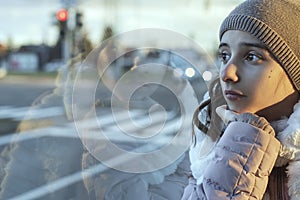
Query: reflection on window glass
(97,101)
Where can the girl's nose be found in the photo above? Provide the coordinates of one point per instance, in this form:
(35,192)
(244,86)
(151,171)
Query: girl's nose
(228,72)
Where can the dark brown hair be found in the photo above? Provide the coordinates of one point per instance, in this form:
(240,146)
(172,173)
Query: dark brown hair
(213,125)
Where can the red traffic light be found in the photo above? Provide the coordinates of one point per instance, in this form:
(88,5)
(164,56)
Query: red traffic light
(62,15)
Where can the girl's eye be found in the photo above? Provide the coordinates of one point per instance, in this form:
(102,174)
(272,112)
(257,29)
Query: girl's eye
(224,57)
(252,57)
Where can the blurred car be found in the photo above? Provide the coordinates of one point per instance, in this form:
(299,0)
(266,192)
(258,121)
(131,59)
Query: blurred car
(53,66)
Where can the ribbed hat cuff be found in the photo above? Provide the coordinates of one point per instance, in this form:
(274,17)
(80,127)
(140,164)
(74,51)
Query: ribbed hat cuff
(275,44)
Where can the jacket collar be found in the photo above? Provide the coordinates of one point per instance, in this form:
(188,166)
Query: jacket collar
(289,153)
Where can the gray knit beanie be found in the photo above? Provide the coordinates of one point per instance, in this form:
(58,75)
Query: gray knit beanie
(276,23)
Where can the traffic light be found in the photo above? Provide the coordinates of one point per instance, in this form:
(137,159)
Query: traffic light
(62,15)
(62,18)
(78,19)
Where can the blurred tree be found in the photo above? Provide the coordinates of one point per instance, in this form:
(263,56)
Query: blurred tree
(10,44)
(3,53)
(86,45)
(206,4)
(107,33)
(3,50)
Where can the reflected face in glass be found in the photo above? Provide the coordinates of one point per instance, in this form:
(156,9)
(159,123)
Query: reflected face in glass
(251,79)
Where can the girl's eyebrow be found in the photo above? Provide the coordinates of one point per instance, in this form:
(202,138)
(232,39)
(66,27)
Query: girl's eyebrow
(223,44)
(257,45)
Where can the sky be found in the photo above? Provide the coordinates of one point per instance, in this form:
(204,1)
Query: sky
(32,21)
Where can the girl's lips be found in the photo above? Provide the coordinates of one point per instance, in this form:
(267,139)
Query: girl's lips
(233,95)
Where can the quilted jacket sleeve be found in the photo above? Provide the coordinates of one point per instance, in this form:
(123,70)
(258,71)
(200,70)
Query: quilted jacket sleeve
(244,158)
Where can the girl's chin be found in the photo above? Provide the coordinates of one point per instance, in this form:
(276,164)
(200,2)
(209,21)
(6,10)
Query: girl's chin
(237,109)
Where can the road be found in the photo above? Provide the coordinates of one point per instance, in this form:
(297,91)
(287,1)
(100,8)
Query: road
(137,131)
(21,91)
(17,95)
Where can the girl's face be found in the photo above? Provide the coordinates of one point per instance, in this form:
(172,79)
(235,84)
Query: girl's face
(251,79)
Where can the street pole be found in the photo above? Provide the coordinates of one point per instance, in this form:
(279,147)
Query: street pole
(67,43)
